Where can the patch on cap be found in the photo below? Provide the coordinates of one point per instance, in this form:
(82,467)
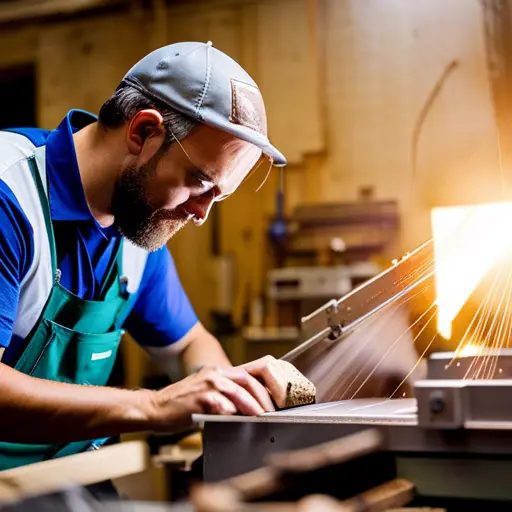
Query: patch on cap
(247,107)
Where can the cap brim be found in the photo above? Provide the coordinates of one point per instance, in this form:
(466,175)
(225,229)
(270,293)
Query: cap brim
(249,135)
(278,159)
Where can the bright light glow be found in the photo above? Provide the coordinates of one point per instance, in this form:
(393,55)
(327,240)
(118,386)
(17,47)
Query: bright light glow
(470,350)
(468,241)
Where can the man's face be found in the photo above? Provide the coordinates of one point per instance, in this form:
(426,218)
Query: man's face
(155,198)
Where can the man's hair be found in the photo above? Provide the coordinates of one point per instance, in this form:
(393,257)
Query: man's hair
(127,101)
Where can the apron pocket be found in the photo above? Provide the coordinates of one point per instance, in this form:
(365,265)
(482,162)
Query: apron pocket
(77,357)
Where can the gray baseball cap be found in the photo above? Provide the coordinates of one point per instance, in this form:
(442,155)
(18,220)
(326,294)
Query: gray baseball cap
(208,86)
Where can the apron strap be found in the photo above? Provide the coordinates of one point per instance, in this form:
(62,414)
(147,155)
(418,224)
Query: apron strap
(116,264)
(113,266)
(125,310)
(45,205)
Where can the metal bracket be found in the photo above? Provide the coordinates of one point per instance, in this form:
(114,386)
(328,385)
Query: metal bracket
(332,316)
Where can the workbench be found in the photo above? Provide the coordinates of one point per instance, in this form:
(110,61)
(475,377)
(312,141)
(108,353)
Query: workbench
(473,464)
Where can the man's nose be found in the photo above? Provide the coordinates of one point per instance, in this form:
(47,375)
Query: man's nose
(200,207)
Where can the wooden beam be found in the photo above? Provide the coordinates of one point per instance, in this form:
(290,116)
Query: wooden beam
(82,469)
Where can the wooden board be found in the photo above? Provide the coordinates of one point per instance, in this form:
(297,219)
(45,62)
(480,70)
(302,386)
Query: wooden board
(82,469)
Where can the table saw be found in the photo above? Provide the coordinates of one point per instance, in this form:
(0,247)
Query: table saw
(446,430)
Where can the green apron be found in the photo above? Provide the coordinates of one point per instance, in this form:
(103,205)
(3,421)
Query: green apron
(74,340)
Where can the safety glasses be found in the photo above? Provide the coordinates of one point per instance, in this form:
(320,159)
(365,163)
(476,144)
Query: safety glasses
(221,197)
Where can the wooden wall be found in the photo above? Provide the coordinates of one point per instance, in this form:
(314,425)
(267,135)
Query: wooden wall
(345,82)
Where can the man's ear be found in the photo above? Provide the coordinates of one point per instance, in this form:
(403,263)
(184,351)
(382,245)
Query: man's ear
(145,133)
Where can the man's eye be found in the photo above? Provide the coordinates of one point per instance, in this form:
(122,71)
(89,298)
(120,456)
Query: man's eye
(201,182)
(197,180)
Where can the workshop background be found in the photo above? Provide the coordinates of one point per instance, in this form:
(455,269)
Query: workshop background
(395,105)
(385,110)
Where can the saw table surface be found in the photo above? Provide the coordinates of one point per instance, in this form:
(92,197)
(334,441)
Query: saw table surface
(238,444)
(366,410)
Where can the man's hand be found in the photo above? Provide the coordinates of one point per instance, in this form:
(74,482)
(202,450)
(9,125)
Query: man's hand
(246,390)
(211,390)
(41,411)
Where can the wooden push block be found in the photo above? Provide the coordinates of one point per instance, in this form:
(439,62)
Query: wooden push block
(298,391)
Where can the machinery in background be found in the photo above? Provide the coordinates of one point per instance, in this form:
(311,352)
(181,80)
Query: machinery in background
(322,251)
(331,233)
(329,250)
(297,291)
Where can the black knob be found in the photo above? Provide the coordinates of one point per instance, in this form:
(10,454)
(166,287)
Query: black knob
(437,402)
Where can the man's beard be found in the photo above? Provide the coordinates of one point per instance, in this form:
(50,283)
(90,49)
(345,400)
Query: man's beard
(135,217)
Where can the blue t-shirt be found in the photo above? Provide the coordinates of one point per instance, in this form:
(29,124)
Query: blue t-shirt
(162,313)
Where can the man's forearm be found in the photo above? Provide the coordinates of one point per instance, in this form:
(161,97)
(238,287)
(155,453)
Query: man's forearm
(195,350)
(40,411)
(203,350)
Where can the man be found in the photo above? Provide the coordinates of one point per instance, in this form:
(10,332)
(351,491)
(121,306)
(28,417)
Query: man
(86,211)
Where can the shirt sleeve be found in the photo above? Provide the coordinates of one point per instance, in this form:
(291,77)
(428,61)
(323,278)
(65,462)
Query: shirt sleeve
(16,254)
(162,313)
